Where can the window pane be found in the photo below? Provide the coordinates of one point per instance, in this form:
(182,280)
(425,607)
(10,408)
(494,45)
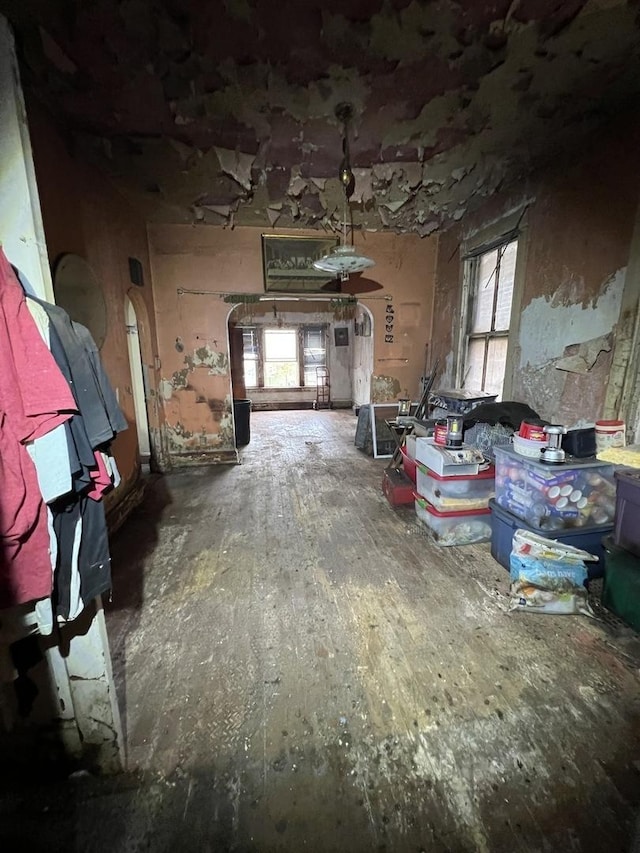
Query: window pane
(505,287)
(249,342)
(474,364)
(314,339)
(280,345)
(496,363)
(314,351)
(484,291)
(251,373)
(310,377)
(281,374)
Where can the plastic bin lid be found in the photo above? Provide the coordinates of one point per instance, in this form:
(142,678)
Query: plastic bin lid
(489,474)
(450,513)
(631,475)
(569,464)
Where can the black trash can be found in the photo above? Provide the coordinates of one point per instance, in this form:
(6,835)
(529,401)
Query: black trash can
(241,416)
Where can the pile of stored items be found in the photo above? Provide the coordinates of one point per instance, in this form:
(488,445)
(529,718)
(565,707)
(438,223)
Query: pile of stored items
(575,494)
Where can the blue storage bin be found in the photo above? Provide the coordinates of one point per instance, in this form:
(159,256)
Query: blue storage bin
(504,524)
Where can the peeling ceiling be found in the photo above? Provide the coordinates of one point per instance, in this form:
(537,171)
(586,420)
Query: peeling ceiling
(223,112)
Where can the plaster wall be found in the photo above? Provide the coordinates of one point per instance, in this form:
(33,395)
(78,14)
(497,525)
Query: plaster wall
(576,227)
(193,335)
(85,215)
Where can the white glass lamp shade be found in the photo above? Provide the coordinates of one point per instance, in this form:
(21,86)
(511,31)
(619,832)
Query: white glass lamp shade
(343,261)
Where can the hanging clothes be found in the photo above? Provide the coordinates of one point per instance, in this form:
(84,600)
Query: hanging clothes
(34,400)
(102,422)
(58,416)
(83,568)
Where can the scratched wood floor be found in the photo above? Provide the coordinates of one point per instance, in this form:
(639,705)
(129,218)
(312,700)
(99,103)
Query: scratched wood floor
(301,668)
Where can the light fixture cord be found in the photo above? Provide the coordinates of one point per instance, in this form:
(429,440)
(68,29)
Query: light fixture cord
(344,223)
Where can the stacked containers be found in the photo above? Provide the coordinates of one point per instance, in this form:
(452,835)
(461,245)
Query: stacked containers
(455,508)
(456,493)
(555,497)
(573,502)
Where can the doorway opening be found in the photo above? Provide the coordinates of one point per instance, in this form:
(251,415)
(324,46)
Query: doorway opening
(138,386)
(293,353)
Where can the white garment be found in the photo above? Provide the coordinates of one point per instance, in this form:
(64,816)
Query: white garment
(76,604)
(50,455)
(112,469)
(43,608)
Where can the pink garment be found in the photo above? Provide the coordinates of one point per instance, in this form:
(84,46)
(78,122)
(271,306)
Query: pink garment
(100,478)
(34,398)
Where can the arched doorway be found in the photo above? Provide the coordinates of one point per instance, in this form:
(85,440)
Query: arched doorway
(362,367)
(137,382)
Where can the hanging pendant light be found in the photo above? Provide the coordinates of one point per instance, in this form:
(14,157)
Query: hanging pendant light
(344,259)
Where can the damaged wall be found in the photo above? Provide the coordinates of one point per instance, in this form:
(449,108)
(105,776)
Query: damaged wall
(193,334)
(574,248)
(84,215)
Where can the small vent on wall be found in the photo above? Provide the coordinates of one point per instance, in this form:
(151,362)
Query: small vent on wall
(135,272)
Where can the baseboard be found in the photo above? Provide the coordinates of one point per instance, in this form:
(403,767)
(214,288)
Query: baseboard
(281,406)
(119,512)
(204,457)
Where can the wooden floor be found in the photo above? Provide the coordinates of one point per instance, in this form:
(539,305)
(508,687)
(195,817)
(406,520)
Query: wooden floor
(301,668)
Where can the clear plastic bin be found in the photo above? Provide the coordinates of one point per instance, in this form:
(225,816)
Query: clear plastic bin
(456,493)
(627,532)
(454,528)
(579,493)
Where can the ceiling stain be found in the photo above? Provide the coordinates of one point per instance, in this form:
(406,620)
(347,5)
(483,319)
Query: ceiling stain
(224,112)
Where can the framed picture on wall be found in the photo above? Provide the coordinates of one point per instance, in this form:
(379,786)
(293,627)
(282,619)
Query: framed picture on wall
(341,336)
(287,263)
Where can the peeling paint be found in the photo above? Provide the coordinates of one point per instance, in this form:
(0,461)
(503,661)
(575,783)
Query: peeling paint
(165,389)
(217,362)
(547,325)
(179,379)
(586,355)
(450,102)
(384,389)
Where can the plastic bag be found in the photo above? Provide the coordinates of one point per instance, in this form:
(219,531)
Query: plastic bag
(548,576)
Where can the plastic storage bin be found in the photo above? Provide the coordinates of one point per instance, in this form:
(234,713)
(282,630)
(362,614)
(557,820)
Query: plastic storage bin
(504,524)
(627,530)
(446,461)
(579,493)
(456,493)
(454,528)
(621,593)
(408,464)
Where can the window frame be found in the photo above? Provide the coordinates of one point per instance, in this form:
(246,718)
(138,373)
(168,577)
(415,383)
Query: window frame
(512,227)
(300,329)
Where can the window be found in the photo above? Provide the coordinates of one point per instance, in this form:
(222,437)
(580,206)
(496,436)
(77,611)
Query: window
(491,278)
(281,358)
(284,357)
(314,353)
(250,357)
